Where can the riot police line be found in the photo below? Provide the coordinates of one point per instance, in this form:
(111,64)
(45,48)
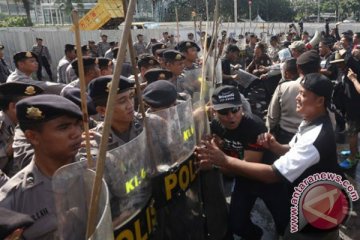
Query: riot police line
(145,197)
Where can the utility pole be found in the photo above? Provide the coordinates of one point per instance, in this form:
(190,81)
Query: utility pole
(318,18)
(235,15)
(250,3)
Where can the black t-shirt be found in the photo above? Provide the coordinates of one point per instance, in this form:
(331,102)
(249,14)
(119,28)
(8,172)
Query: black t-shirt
(225,66)
(236,141)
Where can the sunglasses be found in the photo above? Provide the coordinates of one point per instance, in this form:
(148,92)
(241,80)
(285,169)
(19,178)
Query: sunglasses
(226,111)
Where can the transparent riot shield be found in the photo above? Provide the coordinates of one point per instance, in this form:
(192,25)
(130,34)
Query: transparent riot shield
(72,186)
(126,174)
(172,136)
(191,83)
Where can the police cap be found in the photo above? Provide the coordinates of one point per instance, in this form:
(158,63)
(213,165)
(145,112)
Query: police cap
(45,107)
(2,47)
(10,221)
(100,87)
(87,62)
(104,62)
(24,55)
(183,46)
(115,51)
(308,57)
(173,55)
(147,60)
(160,94)
(157,46)
(74,95)
(15,89)
(155,74)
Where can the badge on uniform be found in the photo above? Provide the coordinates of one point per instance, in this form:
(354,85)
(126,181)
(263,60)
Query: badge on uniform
(28,55)
(30,90)
(178,57)
(188,44)
(162,76)
(151,62)
(34,113)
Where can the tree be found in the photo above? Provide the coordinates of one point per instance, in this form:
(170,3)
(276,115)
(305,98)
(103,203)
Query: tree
(27,6)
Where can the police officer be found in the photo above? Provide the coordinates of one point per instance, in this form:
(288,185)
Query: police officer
(64,62)
(105,66)
(44,58)
(91,71)
(26,64)
(70,73)
(10,94)
(192,70)
(124,125)
(174,62)
(52,124)
(155,74)
(4,69)
(103,46)
(145,62)
(140,45)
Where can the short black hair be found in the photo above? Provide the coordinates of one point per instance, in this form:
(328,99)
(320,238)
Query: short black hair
(290,66)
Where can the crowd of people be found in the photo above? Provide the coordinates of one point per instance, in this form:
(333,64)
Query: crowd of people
(312,91)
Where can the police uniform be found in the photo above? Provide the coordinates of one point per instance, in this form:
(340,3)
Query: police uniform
(70,74)
(4,69)
(44,59)
(190,81)
(99,88)
(103,47)
(23,192)
(10,92)
(140,48)
(63,64)
(18,76)
(173,55)
(87,61)
(30,191)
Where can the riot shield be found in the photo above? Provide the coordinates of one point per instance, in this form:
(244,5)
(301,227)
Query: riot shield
(179,212)
(72,186)
(172,136)
(191,83)
(126,174)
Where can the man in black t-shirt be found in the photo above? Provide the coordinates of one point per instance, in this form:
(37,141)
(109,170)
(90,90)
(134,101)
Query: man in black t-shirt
(237,135)
(231,57)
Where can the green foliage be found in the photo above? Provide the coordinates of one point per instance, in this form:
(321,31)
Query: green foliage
(14,22)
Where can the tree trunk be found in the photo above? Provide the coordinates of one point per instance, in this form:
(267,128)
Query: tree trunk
(26,4)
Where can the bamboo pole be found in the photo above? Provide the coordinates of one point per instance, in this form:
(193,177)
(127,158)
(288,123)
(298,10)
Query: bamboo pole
(177,24)
(75,19)
(100,164)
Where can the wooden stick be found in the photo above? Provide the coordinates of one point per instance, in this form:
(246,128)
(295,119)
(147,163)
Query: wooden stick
(177,24)
(75,19)
(100,164)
